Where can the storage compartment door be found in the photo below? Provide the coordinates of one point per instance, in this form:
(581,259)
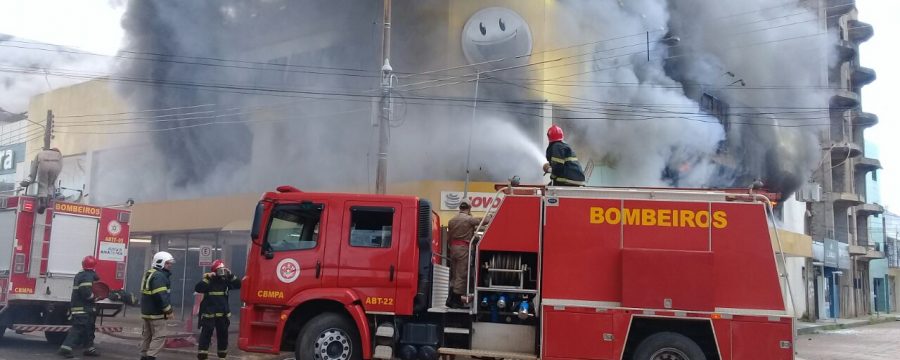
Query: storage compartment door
(71,239)
(7,237)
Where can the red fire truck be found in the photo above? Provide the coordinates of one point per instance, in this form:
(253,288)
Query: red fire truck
(41,253)
(559,273)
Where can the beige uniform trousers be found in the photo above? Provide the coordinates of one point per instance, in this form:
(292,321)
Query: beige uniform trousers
(154,337)
(459,269)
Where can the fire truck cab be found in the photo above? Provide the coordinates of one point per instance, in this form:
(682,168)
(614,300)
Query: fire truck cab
(40,254)
(558,273)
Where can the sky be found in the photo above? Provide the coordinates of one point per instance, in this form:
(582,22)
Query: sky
(94,26)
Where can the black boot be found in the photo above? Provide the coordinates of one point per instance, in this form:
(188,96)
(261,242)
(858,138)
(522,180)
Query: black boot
(202,356)
(66,353)
(91,351)
(454,301)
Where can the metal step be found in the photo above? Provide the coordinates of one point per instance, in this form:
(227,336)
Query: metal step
(385,332)
(456,330)
(383,352)
(486,353)
(444,309)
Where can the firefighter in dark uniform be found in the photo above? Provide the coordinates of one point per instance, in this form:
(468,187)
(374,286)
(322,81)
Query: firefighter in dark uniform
(214,309)
(82,309)
(155,305)
(562,163)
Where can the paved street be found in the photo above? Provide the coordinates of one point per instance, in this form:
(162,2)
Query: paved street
(874,342)
(33,346)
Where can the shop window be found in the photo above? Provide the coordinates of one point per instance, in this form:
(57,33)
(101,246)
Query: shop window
(371,227)
(294,228)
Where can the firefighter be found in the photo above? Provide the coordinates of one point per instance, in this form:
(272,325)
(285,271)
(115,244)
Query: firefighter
(562,163)
(460,231)
(214,309)
(155,305)
(82,311)
(45,169)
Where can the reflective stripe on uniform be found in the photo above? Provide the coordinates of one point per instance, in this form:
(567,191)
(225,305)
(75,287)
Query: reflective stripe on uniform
(87,283)
(217,293)
(145,284)
(557,160)
(153,317)
(155,291)
(216,315)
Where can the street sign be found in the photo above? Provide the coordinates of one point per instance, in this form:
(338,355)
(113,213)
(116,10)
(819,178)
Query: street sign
(206,255)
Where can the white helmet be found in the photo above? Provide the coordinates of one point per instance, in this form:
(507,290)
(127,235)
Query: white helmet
(161,258)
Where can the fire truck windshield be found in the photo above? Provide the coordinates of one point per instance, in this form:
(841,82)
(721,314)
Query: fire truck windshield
(293,227)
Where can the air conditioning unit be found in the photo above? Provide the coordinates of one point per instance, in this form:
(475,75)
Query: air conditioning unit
(810,192)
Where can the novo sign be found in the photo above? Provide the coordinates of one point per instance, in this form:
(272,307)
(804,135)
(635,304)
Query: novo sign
(480,201)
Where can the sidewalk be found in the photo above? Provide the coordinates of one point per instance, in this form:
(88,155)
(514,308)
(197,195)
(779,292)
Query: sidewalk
(806,328)
(181,340)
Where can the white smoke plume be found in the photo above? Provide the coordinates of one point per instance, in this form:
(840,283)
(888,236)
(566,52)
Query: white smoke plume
(764,58)
(31,68)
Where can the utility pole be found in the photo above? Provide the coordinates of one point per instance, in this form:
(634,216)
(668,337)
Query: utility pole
(48,129)
(386,102)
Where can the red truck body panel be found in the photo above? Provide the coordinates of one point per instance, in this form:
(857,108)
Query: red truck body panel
(604,261)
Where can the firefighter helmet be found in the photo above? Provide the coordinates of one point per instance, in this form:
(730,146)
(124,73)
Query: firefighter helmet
(464,205)
(555,133)
(89,263)
(161,258)
(217,264)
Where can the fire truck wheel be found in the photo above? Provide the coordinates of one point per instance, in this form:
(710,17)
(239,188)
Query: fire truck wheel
(668,346)
(329,336)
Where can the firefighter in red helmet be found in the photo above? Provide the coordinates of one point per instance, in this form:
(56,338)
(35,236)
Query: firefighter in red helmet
(82,311)
(214,309)
(562,163)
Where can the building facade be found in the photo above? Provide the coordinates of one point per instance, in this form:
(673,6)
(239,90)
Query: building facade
(840,221)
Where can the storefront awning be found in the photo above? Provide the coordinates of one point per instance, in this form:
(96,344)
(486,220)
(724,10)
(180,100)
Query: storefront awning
(231,213)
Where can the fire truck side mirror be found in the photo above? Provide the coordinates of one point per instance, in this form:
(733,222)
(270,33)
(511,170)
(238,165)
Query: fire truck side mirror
(257,218)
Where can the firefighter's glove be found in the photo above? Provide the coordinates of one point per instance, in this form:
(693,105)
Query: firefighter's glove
(25,183)
(169,311)
(547,168)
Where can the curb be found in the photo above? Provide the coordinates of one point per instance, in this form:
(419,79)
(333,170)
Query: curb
(831,327)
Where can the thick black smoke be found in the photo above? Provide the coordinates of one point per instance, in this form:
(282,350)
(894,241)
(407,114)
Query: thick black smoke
(163,27)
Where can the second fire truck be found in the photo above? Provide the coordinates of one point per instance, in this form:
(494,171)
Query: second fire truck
(41,253)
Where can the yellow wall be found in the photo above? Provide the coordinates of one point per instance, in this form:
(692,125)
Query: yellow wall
(793,244)
(93,97)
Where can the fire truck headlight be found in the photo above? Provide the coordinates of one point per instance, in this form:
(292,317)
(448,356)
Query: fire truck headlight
(501,302)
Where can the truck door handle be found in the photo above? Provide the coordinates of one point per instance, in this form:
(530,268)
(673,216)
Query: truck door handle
(318,268)
(392,273)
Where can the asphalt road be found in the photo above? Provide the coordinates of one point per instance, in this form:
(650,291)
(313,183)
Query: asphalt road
(875,342)
(33,346)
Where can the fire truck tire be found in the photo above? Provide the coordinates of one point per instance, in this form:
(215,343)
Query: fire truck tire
(329,336)
(668,346)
